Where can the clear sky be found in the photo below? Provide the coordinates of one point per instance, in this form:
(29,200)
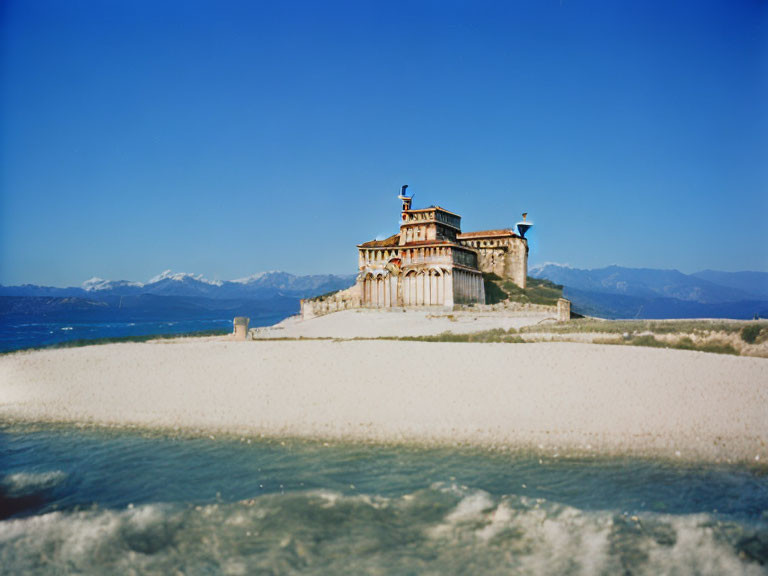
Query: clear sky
(226,138)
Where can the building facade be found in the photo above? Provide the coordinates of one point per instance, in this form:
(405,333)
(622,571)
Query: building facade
(502,252)
(429,262)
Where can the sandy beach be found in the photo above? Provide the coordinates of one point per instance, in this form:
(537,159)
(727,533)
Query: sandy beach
(558,398)
(362,323)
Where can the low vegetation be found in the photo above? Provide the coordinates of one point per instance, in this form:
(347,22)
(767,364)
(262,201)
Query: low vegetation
(539,291)
(716,337)
(486,336)
(715,346)
(699,327)
(493,292)
(322,296)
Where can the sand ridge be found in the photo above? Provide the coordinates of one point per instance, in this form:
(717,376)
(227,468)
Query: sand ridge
(401,322)
(557,396)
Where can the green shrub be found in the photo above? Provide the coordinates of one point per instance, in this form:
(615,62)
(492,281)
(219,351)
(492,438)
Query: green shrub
(498,335)
(685,343)
(493,293)
(750,333)
(717,347)
(647,340)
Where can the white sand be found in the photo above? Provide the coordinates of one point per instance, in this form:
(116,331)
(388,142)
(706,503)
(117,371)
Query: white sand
(363,323)
(559,398)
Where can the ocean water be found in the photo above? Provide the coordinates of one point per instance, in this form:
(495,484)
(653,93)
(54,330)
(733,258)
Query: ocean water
(23,332)
(95,501)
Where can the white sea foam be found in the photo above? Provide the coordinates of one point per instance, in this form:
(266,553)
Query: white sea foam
(474,532)
(21,483)
(547,538)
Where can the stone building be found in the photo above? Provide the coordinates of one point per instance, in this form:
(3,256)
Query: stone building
(429,262)
(503,252)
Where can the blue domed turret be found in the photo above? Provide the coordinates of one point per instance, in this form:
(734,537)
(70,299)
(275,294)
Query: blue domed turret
(524,225)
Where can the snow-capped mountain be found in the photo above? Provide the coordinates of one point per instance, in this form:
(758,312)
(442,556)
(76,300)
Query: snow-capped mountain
(255,277)
(95,284)
(182,277)
(169,303)
(169,283)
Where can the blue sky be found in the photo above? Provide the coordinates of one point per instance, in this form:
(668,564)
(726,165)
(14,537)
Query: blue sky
(226,138)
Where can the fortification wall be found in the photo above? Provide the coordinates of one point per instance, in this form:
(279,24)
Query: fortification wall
(517,308)
(341,300)
(505,257)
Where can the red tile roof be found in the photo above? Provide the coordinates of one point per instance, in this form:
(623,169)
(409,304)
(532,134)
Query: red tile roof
(392,241)
(419,243)
(487,234)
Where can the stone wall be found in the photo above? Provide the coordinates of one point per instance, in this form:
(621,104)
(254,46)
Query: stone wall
(507,257)
(518,308)
(341,300)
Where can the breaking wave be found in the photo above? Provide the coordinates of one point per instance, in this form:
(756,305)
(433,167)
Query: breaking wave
(23,483)
(445,529)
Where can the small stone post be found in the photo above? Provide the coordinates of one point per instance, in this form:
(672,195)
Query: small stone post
(563,310)
(241,328)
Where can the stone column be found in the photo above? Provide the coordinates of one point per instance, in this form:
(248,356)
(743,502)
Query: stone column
(563,310)
(418,299)
(448,279)
(468,286)
(406,290)
(240,332)
(433,300)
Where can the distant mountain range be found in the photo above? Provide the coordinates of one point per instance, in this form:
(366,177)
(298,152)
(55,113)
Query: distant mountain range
(174,294)
(611,292)
(617,292)
(262,285)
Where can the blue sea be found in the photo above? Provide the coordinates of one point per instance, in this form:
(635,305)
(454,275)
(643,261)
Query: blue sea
(31,332)
(100,501)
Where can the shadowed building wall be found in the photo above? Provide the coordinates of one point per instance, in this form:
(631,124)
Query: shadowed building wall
(502,252)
